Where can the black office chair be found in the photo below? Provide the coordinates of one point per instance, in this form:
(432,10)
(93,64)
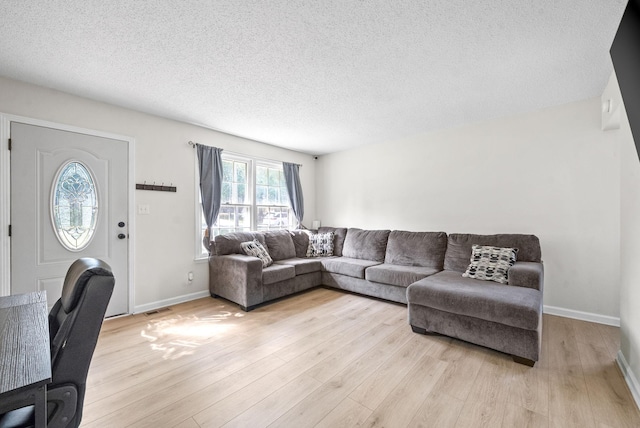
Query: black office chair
(74,324)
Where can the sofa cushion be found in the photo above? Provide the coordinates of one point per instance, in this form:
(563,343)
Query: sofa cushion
(320,245)
(347,266)
(300,241)
(229,243)
(505,304)
(277,272)
(280,244)
(459,248)
(416,249)
(366,244)
(339,234)
(256,249)
(490,263)
(303,266)
(402,276)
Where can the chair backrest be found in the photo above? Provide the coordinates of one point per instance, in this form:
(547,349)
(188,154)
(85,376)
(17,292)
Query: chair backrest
(75,321)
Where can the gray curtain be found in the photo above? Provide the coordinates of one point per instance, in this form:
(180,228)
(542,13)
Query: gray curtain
(210,163)
(292,178)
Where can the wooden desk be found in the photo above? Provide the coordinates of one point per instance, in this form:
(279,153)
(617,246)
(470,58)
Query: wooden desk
(25,360)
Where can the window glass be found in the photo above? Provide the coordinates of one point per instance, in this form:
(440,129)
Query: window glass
(74,206)
(272,200)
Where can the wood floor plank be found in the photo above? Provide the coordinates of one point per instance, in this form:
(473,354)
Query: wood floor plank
(348,414)
(404,401)
(336,362)
(611,400)
(188,423)
(516,416)
(271,407)
(564,355)
(226,409)
(202,374)
(318,404)
(376,387)
(340,326)
(480,413)
(586,332)
(463,368)
(529,389)
(438,410)
(493,380)
(333,359)
(611,338)
(569,401)
(174,404)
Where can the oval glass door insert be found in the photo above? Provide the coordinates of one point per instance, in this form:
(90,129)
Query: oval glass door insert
(74,206)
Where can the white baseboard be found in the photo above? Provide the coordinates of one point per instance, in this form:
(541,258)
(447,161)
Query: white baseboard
(629,377)
(173,301)
(584,316)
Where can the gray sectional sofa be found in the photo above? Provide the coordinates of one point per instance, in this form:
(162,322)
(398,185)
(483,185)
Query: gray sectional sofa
(420,269)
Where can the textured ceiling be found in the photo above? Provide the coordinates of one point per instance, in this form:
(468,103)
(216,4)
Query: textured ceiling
(315,76)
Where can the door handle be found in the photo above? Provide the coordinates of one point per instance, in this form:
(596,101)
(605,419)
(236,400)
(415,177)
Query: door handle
(121,236)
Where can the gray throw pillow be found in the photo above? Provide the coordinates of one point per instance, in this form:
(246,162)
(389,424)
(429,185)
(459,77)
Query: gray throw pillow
(255,248)
(320,245)
(490,263)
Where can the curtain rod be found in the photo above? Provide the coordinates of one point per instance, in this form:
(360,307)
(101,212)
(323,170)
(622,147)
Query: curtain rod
(192,144)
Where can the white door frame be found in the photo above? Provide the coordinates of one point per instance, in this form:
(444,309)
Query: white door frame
(5,195)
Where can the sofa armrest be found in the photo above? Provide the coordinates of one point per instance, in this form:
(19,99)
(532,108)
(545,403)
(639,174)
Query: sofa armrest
(237,278)
(527,274)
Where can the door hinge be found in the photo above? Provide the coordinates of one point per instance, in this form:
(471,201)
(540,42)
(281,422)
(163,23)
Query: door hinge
(9,230)
(9,143)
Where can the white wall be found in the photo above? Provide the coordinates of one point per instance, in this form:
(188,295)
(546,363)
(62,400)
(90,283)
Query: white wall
(629,243)
(552,173)
(164,240)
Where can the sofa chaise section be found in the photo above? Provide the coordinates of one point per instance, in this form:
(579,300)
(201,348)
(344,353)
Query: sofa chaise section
(504,317)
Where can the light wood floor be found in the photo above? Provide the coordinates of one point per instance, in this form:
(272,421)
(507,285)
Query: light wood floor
(330,359)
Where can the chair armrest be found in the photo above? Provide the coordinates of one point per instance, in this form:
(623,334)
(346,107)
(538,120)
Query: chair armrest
(236,277)
(527,274)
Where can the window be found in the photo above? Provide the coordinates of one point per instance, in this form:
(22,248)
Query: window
(254,197)
(74,205)
(272,199)
(235,213)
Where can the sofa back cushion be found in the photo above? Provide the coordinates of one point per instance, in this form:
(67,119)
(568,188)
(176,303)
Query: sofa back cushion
(459,245)
(424,249)
(280,244)
(229,243)
(339,235)
(366,244)
(300,241)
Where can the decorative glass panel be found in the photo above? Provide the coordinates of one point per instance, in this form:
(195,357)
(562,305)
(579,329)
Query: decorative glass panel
(74,206)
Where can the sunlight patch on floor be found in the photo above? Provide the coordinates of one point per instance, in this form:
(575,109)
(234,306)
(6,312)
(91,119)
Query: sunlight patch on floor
(178,336)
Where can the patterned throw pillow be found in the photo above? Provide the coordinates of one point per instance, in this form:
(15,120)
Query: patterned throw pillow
(320,245)
(491,263)
(256,249)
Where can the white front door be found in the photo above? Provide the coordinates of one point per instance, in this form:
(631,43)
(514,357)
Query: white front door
(69,200)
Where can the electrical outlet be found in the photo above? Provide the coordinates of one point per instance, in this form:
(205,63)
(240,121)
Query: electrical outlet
(144,209)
